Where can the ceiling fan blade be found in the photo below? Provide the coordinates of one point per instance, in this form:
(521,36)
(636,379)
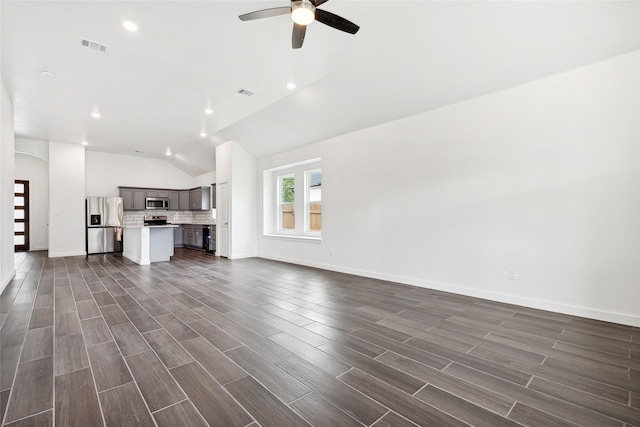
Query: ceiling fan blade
(297,38)
(336,21)
(265,13)
(317,3)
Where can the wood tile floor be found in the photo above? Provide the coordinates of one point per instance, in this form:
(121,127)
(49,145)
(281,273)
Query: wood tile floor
(207,341)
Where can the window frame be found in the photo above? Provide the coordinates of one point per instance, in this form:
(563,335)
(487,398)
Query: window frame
(272,198)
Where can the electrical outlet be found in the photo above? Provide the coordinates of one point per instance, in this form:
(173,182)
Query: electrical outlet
(512,275)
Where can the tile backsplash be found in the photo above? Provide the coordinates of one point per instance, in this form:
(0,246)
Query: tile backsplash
(136,218)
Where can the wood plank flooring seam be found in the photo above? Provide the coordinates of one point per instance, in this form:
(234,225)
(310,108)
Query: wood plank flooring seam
(169,406)
(29,416)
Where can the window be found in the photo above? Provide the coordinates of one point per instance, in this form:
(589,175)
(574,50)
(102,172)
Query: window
(21,215)
(313,184)
(286,211)
(293,200)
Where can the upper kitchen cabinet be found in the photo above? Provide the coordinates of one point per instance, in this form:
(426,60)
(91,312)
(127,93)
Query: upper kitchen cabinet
(196,199)
(158,193)
(174,200)
(213,196)
(183,196)
(200,199)
(133,198)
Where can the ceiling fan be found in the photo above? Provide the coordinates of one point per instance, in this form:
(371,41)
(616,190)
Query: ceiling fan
(304,12)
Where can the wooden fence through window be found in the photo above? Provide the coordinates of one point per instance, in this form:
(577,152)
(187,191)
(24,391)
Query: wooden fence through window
(315,216)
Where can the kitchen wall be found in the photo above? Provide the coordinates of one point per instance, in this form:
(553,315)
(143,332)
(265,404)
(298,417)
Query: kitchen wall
(7,165)
(542,179)
(36,171)
(204,179)
(105,172)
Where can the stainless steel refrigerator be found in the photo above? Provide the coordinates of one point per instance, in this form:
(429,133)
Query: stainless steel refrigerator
(104,225)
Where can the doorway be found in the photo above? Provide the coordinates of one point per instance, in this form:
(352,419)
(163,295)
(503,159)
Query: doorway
(21,215)
(222,212)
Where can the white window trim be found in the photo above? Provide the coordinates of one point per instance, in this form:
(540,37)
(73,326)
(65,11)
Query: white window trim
(272,215)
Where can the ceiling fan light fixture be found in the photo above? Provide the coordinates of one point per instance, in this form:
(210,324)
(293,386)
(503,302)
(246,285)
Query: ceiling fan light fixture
(303,12)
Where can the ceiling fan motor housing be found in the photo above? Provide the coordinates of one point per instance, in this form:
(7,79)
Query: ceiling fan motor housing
(303,12)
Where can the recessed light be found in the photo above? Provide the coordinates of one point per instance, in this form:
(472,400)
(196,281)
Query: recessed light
(95,115)
(291,85)
(46,73)
(85,143)
(168,153)
(131,26)
(203,134)
(208,111)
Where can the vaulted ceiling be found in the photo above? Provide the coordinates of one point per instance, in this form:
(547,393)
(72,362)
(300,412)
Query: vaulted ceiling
(152,86)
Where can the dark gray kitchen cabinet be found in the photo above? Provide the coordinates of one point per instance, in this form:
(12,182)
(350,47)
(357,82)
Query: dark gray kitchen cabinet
(187,235)
(213,196)
(158,193)
(183,203)
(178,236)
(200,199)
(192,236)
(196,199)
(133,198)
(174,200)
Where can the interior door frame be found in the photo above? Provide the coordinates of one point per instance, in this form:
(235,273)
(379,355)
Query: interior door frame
(223,215)
(25,220)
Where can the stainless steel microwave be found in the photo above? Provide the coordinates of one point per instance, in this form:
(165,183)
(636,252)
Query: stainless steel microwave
(157,203)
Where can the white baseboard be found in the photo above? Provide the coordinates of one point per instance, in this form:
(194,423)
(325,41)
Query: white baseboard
(43,248)
(136,260)
(6,280)
(245,255)
(63,254)
(607,316)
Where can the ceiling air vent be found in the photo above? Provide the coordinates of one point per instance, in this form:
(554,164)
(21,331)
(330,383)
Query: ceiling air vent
(245,92)
(93,45)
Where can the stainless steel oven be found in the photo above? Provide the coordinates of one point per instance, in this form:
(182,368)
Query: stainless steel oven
(157,203)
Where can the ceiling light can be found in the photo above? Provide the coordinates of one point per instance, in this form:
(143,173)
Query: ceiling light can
(131,26)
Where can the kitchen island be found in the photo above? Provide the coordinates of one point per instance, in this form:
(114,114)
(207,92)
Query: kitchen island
(146,244)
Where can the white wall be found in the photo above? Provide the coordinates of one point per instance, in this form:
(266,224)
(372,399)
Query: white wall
(244,190)
(239,168)
(204,179)
(66,199)
(542,178)
(7,143)
(36,171)
(105,172)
